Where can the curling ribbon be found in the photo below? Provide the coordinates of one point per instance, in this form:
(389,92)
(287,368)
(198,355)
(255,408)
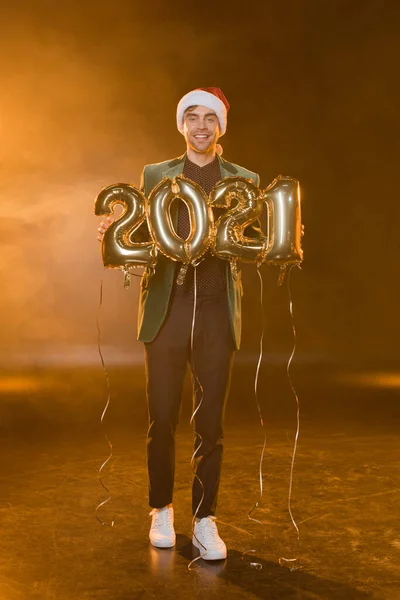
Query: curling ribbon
(127,279)
(197,387)
(257,565)
(103,415)
(282,559)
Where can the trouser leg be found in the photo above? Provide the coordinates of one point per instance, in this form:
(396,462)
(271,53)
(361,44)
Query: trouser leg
(212,359)
(165,360)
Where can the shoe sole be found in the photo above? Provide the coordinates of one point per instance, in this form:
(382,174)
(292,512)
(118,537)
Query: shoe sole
(161,544)
(209,555)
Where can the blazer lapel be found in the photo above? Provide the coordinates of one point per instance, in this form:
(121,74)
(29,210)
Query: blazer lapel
(227,169)
(175,167)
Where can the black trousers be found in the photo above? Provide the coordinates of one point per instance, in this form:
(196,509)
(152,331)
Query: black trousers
(166,359)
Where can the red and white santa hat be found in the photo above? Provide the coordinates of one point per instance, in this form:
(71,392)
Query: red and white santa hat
(211,97)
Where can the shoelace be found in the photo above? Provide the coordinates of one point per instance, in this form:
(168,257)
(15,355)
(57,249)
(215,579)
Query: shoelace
(163,516)
(208,526)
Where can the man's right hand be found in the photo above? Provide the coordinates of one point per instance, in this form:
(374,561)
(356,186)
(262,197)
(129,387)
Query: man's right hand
(104,225)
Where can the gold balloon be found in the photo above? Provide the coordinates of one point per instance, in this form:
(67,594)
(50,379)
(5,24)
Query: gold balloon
(283,195)
(161,223)
(119,246)
(230,241)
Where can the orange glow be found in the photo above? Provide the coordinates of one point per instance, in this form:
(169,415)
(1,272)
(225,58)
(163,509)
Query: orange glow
(377,379)
(17,384)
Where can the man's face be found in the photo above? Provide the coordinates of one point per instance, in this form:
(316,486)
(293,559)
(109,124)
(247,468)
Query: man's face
(201,128)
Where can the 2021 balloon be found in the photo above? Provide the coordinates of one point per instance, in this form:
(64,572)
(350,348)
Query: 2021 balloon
(281,245)
(119,246)
(159,208)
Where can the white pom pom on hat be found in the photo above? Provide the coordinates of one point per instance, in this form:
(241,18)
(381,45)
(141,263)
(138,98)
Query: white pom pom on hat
(211,97)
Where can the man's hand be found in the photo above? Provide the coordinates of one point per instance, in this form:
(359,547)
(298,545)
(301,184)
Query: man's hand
(104,225)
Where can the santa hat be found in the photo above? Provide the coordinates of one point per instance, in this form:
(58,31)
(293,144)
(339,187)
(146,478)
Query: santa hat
(211,97)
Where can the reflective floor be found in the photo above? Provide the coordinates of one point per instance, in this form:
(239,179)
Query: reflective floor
(345,499)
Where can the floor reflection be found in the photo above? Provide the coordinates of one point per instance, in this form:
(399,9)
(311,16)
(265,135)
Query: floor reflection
(161,561)
(345,500)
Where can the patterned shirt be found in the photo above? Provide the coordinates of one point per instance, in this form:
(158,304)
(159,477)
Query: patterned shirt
(211,272)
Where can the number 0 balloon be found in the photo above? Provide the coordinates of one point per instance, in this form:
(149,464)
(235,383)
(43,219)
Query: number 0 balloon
(161,223)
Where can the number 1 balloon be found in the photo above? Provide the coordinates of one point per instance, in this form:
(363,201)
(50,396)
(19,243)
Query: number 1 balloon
(284,195)
(119,247)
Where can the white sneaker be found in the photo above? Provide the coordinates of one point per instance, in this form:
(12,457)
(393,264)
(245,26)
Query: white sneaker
(207,533)
(162,532)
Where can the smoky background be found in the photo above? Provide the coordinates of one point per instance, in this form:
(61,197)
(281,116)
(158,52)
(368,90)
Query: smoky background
(88,97)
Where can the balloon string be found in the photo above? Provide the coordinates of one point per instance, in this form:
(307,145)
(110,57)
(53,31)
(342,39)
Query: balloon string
(283,560)
(103,413)
(197,388)
(257,565)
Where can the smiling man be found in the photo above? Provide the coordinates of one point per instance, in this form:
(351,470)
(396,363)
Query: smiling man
(201,130)
(165,323)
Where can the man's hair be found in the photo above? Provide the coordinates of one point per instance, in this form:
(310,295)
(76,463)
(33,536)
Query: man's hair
(190,108)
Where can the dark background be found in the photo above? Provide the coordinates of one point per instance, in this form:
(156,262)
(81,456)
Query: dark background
(89,94)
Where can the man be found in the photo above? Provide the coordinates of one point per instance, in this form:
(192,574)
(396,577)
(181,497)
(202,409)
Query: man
(165,324)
